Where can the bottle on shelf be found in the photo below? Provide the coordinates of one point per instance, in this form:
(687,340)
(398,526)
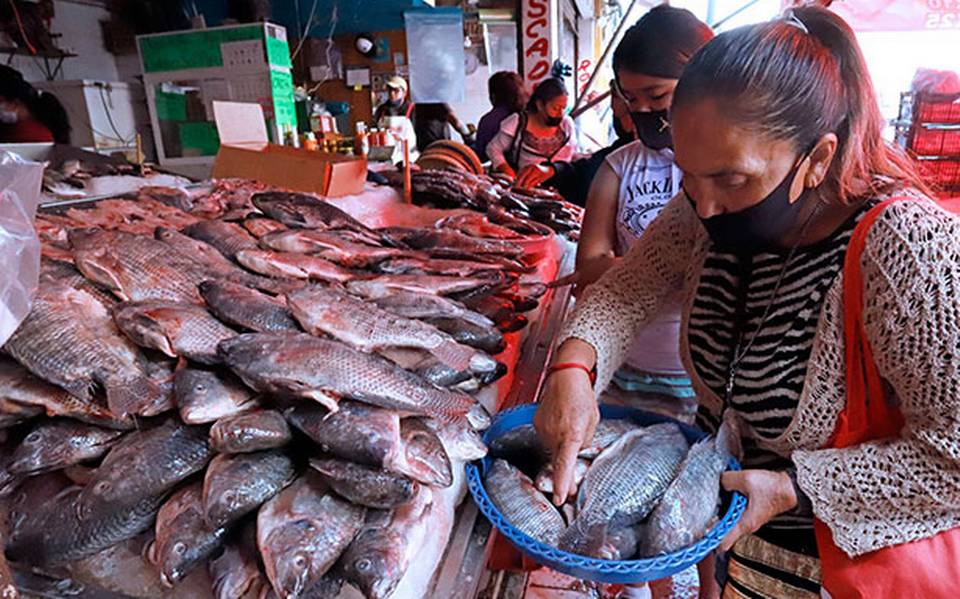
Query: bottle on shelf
(362,142)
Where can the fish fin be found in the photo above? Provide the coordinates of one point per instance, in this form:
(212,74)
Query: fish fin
(325,397)
(728,436)
(454,355)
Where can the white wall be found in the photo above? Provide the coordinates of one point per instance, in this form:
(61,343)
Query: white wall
(79,22)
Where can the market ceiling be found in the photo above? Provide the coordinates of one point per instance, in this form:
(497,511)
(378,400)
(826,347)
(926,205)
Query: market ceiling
(344,16)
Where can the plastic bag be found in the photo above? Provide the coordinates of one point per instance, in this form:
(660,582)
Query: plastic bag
(20,182)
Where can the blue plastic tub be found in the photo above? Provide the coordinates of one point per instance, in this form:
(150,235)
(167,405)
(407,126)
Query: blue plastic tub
(587,568)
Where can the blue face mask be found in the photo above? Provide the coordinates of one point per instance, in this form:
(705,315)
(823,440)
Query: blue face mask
(761,227)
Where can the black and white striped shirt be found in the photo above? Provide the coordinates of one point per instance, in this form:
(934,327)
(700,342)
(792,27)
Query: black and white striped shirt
(733,294)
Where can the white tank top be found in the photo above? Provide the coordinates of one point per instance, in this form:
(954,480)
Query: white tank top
(648,179)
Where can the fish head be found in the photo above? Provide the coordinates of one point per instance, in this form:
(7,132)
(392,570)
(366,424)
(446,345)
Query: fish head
(223,503)
(165,233)
(99,265)
(375,569)
(195,388)
(296,562)
(144,328)
(35,449)
(175,560)
(425,454)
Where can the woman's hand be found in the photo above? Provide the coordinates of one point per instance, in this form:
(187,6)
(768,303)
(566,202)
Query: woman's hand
(586,274)
(768,494)
(533,175)
(565,420)
(507,171)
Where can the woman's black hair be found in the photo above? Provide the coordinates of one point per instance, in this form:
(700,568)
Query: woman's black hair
(506,89)
(661,43)
(798,78)
(546,90)
(43,106)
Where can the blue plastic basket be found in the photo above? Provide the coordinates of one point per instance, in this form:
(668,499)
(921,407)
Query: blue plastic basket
(587,568)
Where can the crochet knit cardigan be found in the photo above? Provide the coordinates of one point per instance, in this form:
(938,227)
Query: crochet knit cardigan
(871,495)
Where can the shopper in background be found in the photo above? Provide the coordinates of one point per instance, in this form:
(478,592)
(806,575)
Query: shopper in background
(28,115)
(529,142)
(507,97)
(432,122)
(397,103)
(780,137)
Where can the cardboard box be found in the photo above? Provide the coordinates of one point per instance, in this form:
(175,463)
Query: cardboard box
(245,152)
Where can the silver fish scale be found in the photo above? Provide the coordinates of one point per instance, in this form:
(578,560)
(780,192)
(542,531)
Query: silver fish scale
(689,505)
(247,308)
(522,504)
(625,482)
(56,343)
(192,331)
(292,362)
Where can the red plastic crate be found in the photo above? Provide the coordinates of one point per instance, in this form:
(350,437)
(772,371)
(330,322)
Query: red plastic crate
(937,108)
(943,174)
(935,142)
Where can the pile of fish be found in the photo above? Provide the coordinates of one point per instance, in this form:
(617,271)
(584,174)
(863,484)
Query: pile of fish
(495,196)
(642,491)
(284,400)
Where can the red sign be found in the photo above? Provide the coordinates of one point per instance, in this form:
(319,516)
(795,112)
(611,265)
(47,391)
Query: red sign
(537,55)
(897,15)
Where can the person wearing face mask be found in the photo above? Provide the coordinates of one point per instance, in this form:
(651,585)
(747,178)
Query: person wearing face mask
(397,103)
(819,314)
(529,142)
(28,115)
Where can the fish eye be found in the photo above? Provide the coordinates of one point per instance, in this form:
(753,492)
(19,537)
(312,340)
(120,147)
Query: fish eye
(179,548)
(32,437)
(229,496)
(363,565)
(199,388)
(101,487)
(300,561)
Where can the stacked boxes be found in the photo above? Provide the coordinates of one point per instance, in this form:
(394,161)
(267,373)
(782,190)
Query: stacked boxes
(186,71)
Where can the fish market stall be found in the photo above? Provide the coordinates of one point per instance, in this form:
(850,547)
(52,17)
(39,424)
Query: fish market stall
(226,390)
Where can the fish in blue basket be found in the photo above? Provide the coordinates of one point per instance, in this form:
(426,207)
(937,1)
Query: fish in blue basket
(689,507)
(525,507)
(623,486)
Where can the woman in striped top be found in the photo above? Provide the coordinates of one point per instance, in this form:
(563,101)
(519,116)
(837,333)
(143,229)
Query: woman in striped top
(777,130)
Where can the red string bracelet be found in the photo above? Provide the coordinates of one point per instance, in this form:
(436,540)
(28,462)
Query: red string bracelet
(577,365)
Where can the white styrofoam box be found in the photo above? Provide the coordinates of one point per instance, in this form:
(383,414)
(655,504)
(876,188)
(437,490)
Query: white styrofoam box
(251,88)
(243,53)
(101,113)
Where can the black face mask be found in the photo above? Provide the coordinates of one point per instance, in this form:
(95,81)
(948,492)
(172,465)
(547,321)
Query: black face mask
(760,227)
(552,121)
(653,128)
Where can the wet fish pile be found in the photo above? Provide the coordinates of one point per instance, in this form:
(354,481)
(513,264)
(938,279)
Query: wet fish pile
(523,211)
(264,399)
(642,491)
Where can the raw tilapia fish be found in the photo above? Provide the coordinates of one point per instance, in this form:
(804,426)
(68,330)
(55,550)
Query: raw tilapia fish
(366,327)
(205,396)
(689,506)
(176,329)
(417,304)
(210,259)
(147,463)
(235,485)
(324,370)
(183,540)
(307,212)
(363,485)
(446,242)
(136,268)
(302,531)
(227,238)
(294,266)
(623,485)
(260,226)
(330,245)
(544,479)
(435,284)
(69,339)
(382,552)
(54,532)
(247,308)
(522,504)
(524,441)
(376,438)
(256,430)
(58,443)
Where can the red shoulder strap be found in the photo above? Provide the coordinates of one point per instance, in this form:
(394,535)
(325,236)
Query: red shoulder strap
(867,415)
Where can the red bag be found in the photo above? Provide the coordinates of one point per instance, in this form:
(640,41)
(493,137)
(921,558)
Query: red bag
(928,568)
